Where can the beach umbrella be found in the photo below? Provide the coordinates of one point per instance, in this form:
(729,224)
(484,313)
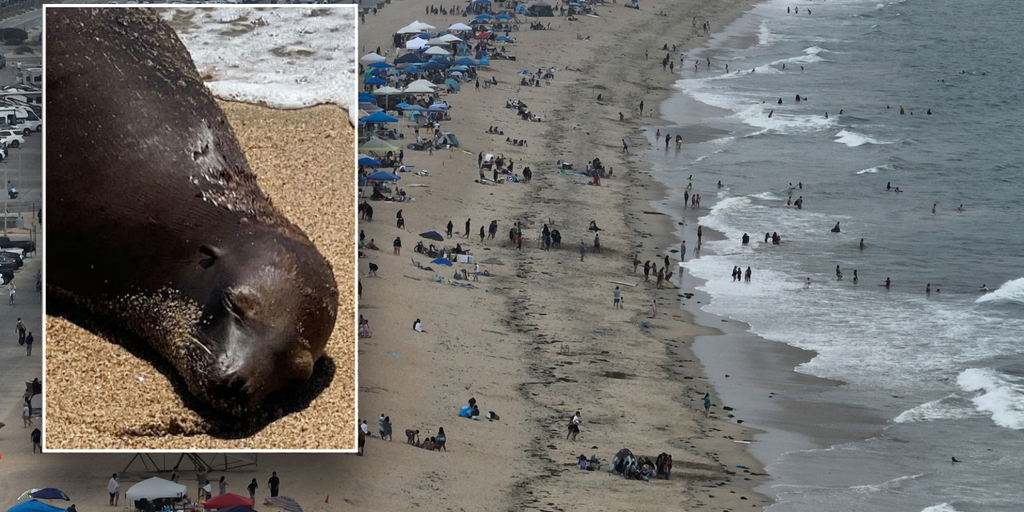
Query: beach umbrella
(451,83)
(225,501)
(386,91)
(377,145)
(503,17)
(376,81)
(283,502)
(485,16)
(383,176)
(369,162)
(434,50)
(50,493)
(381,65)
(451,38)
(440,106)
(502,38)
(433,66)
(413,69)
(34,506)
(460,67)
(460,26)
(369,108)
(27,494)
(402,105)
(409,58)
(424,83)
(415,108)
(419,89)
(442,261)
(379,117)
(238,508)
(482,35)
(525,72)
(466,61)
(456,73)
(372,57)
(478,22)
(433,235)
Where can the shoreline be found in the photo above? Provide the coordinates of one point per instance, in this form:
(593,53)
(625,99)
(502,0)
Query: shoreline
(606,369)
(758,376)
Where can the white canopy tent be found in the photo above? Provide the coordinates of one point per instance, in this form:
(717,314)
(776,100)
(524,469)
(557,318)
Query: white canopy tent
(155,488)
(415,43)
(438,41)
(372,57)
(415,28)
(386,91)
(419,88)
(460,26)
(451,38)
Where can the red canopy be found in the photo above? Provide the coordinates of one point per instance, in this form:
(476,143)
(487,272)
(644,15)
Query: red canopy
(228,500)
(483,35)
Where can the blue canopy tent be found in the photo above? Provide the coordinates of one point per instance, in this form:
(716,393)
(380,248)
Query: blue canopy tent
(466,61)
(413,69)
(381,65)
(485,16)
(369,162)
(409,57)
(503,17)
(478,22)
(484,61)
(379,117)
(452,84)
(433,66)
(365,97)
(376,81)
(415,108)
(34,506)
(383,176)
(403,105)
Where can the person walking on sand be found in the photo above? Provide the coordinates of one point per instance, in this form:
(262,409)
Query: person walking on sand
(114,488)
(574,427)
(467,227)
(26,416)
(398,245)
(654,308)
(482,234)
(28,343)
(275,484)
(647,270)
(707,405)
(625,147)
(201,479)
(222,486)
(746,276)
(20,328)
(597,242)
(450,227)
(253,485)
(11,290)
(583,250)
(636,262)
(617,298)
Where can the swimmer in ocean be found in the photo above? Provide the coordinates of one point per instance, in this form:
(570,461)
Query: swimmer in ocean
(933,207)
(898,189)
(839,273)
(836,229)
(928,288)
(807,284)
(855,278)
(960,208)
(862,244)
(887,282)
(984,288)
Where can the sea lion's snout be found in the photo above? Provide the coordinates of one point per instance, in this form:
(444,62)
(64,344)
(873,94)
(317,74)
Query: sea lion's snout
(271,328)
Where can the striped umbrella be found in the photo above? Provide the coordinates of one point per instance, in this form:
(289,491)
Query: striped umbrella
(283,502)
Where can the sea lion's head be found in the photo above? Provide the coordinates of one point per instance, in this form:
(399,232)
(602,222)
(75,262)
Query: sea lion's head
(269,316)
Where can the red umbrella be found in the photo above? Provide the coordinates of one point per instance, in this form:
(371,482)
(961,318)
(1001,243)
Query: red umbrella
(229,500)
(483,35)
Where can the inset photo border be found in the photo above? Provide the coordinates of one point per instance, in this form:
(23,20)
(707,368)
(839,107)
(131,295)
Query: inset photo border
(200,201)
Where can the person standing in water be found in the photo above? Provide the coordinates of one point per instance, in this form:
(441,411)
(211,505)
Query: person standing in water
(855,278)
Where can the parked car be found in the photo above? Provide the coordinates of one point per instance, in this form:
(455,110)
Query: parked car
(11,139)
(26,245)
(16,256)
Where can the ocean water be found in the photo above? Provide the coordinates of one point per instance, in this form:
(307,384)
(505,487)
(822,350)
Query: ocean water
(947,368)
(285,57)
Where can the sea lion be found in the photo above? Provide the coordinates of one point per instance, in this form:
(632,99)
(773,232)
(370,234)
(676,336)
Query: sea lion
(158,226)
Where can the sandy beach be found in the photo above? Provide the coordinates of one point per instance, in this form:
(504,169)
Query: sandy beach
(292,152)
(538,339)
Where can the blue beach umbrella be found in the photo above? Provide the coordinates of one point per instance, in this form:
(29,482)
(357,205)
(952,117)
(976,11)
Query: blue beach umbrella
(503,38)
(442,261)
(383,176)
(485,16)
(525,72)
(369,162)
(466,61)
(403,105)
(439,105)
(503,17)
(478,22)
(433,235)
(381,65)
(433,66)
(379,117)
(415,108)
(34,506)
(413,69)
(50,493)
(376,81)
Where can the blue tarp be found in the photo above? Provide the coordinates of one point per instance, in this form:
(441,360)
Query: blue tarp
(442,261)
(383,176)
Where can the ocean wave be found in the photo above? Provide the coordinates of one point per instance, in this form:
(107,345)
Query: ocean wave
(854,139)
(757,116)
(810,56)
(941,409)
(764,35)
(1010,291)
(999,394)
(941,507)
(875,169)
(884,486)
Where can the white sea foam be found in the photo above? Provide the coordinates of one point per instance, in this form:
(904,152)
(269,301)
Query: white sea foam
(941,507)
(884,486)
(810,56)
(875,169)
(998,394)
(854,139)
(280,57)
(764,35)
(947,408)
(1010,291)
